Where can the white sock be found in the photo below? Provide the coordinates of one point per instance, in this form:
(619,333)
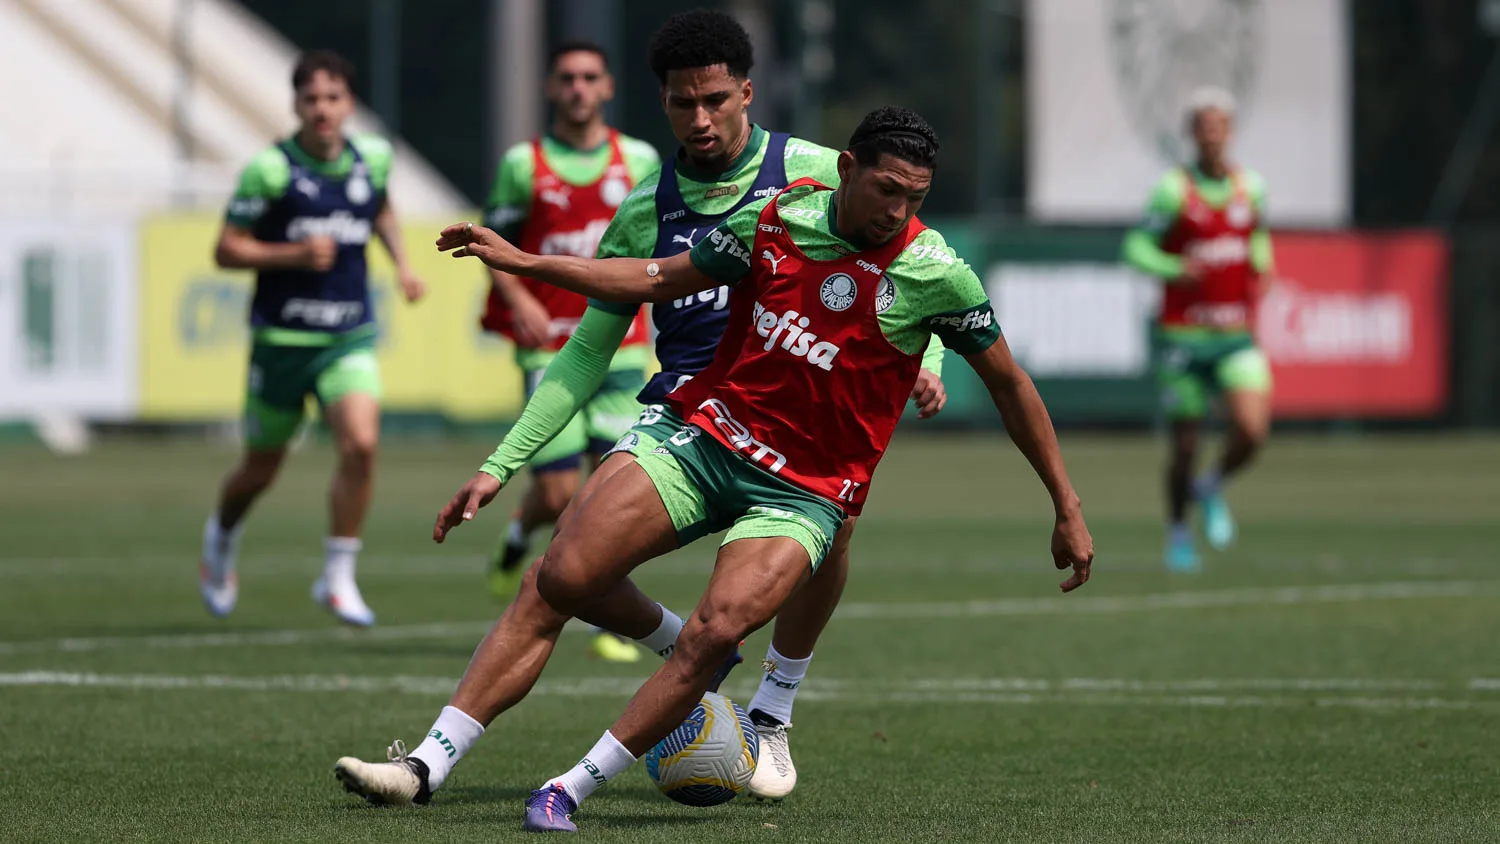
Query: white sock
(779,686)
(222,540)
(339,554)
(663,639)
(451,736)
(606,760)
(515,534)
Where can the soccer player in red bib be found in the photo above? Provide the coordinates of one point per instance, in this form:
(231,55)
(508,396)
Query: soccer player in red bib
(1205,236)
(835,296)
(556,195)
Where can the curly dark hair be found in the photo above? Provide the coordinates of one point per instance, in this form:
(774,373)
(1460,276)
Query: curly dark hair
(895,131)
(701,38)
(327,61)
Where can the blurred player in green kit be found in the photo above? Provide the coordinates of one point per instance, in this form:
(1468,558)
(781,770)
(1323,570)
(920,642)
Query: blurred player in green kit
(1205,237)
(557,194)
(301,217)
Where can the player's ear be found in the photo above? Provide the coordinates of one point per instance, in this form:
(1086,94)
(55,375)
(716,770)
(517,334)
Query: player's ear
(747,91)
(846,164)
(608,86)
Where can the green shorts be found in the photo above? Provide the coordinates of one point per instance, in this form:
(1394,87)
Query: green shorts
(283,376)
(708,488)
(597,425)
(1193,366)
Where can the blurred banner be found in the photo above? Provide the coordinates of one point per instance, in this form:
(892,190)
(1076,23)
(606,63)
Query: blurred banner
(68,311)
(1108,81)
(195,338)
(1355,326)
(1358,325)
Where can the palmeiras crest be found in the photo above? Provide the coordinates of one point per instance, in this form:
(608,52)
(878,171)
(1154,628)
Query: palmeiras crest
(1165,49)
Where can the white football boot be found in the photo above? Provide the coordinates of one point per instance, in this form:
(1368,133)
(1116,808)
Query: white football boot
(217,581)
(402,781)
(775,775)
(340,595)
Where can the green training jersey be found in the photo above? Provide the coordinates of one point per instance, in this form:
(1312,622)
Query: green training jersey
(1142,248)
(268,175)
(936,293)
(510,198)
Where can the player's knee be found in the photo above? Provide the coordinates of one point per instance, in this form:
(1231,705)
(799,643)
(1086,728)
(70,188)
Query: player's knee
(532,609)
(555,498)
(357,452)
(259,471)
(708,640)
(562,579)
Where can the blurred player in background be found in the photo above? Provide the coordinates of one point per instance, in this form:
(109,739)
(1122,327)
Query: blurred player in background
(1205,237)
(556,195)
(725,164)
(301,218)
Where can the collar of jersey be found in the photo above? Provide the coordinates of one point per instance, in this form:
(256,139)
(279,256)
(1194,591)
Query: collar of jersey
(758,138)
(565,147)
(338,167)
(833,231)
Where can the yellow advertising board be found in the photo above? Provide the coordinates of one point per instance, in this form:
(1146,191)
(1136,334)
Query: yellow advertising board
(195,336)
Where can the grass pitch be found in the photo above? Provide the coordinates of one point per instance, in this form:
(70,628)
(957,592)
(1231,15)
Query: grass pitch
(1334,677)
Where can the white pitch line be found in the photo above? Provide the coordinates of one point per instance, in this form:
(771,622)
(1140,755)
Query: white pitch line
(1111,604)
(915,692)
(1062,605)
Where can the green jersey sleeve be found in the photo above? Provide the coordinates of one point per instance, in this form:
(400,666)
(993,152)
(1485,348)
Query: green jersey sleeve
(262,182)
(941,294)
(805,159)
(1261,257)
(572,378)
(378,155)
(1142,247)
(510,197)
(724,255)
(641,159)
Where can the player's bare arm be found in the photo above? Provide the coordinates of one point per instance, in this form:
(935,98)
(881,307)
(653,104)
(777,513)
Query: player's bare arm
(529,318)
(239,249)
(1030,427)
(388,229)
(609,279)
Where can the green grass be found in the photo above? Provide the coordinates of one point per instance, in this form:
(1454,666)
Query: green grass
(1334,677)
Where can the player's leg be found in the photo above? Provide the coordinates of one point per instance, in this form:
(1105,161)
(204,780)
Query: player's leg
(348,386)
(554,482)
(798,625)
(273,412)
(1244,378)
(752,579)
(607,417)
(1185,400)
(621,519)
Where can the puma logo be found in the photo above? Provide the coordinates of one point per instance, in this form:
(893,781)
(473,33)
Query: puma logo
(686,241)
(774,261)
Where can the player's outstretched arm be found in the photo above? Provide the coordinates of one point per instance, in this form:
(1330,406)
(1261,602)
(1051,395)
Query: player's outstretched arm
(608,279)
(1030,427)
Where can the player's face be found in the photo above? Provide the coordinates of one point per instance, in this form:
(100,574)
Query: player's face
(1212,131)
(878,201)
(579,86)
(706,106)
(323,104)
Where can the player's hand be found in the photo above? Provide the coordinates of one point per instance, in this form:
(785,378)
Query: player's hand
(412,287)
(1072,547)
(929,394)
(530,322)
(466,240)
(479,491)
(1193,271)
(319,251)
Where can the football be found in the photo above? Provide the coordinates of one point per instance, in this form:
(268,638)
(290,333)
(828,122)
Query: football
(709,758)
